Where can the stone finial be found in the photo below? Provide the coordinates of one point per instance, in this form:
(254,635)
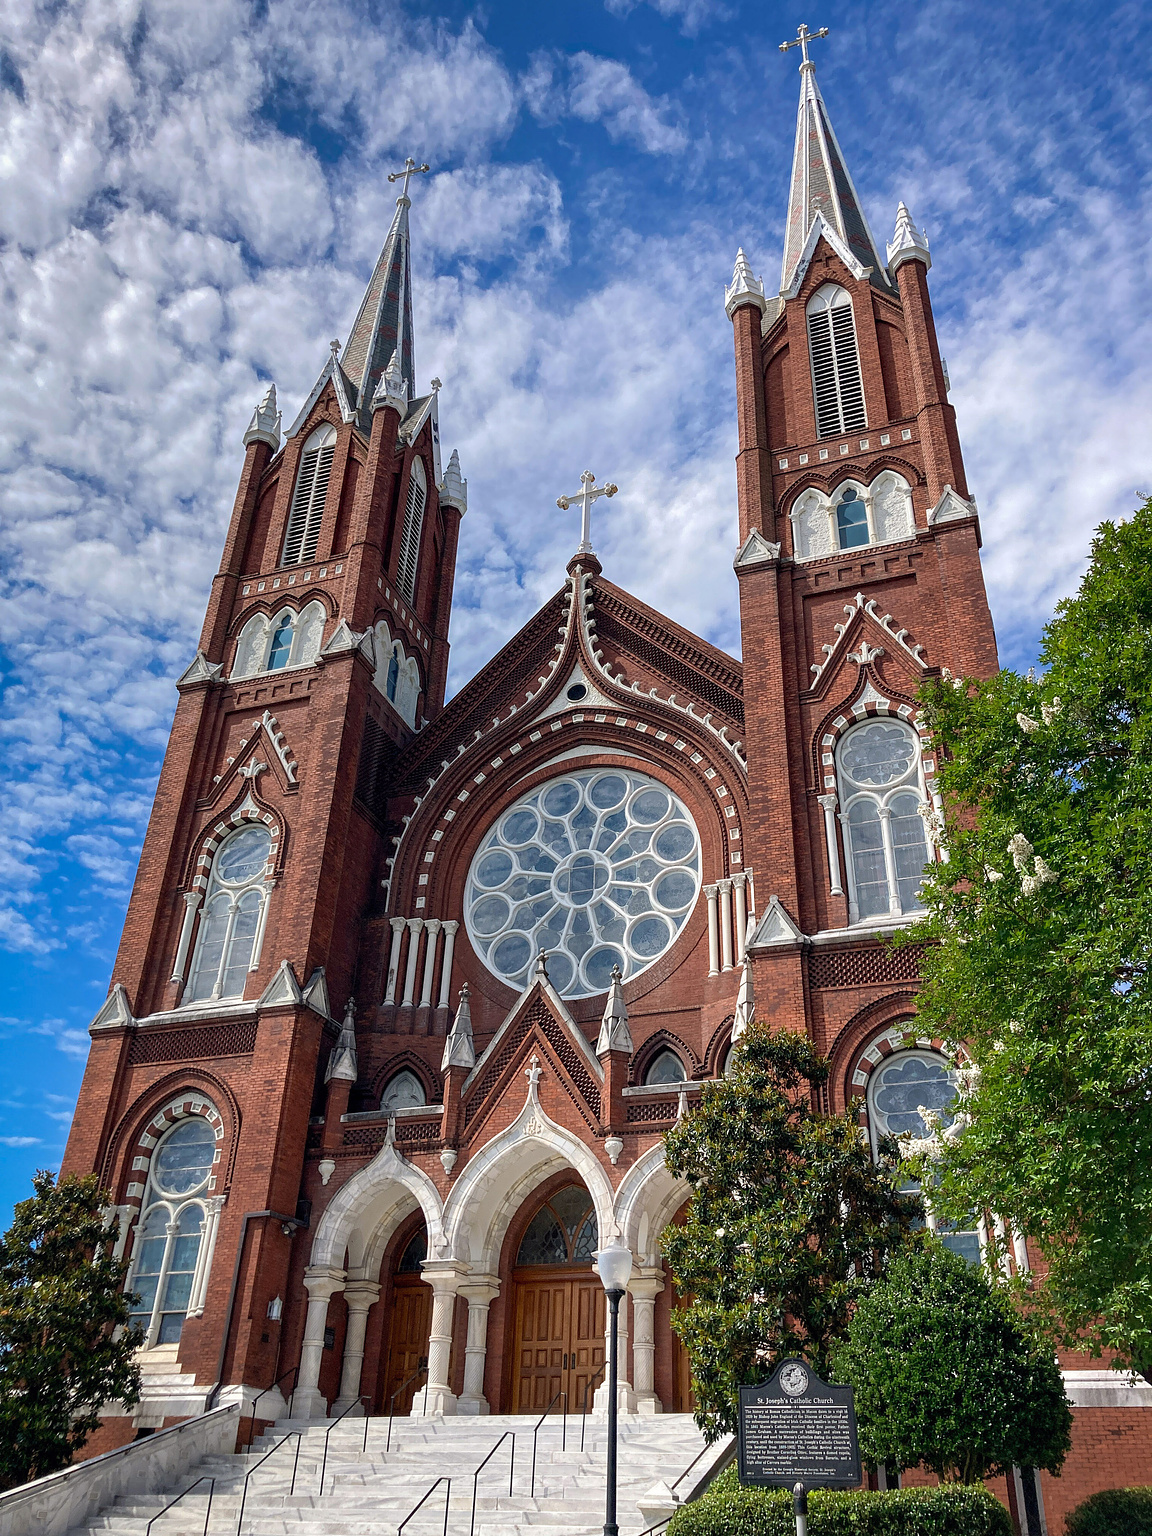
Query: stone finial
(392,389)
(745,1002)
(342,1061)
(541,970)
(459,1047)
(745,288)
(265,424)
(908,243)
(453,487)
(614,1032)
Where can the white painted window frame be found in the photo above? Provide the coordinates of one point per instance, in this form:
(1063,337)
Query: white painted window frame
(912,782)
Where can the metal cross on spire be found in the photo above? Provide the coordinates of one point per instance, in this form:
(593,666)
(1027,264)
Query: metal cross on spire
(586,497)
(801,40)
(410,169)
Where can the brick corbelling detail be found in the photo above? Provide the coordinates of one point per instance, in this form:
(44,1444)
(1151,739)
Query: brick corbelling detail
(663,1112)
(879,965)
(608,604)
(238,1039)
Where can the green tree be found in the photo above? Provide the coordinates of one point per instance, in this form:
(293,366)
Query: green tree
(788,1216)
(65,1347)
(1044,920)
(947,1374)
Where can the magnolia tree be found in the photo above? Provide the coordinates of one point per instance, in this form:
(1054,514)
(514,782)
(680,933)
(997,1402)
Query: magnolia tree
(947,1374)
(1043,917)
(65,1347)
(789,1217)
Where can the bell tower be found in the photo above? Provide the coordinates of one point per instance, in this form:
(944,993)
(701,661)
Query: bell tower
(859,564)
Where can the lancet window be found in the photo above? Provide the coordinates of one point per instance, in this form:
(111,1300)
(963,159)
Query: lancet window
(397,674)
(289,639)
(307,511)
(563,1230)
(231,927)
(173,1252)
(409,561)
(404,1091)
(666,1067)
(836,381)
(882,790)
(852,516)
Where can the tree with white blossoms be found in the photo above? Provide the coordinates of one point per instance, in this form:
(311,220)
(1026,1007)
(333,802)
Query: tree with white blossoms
(1043,917)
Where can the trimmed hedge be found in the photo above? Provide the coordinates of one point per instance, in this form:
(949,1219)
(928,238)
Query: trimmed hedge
(1115,1512)
(727,1509)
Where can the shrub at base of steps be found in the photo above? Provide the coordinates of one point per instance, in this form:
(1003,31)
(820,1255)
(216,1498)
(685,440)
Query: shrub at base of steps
(727,1509)
(1116,1512)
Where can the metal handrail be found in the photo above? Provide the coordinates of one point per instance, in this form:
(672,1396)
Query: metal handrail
(536,1431)
(424,1500)
(294,1373)
(689,1467)
(508,1433)
(403,1387)
(293,1434)
(356,1403)
(588,1385)
(211,1481)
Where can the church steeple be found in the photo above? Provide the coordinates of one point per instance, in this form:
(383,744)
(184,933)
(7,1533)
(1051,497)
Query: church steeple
(383,325)
(821,187)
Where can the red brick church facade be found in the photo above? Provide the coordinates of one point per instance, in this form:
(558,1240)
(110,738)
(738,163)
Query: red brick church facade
(347,1116)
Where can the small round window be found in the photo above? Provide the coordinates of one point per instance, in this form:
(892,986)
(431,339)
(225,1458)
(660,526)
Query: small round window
(184,1159)
(599,869)
(907,1081)
(243,856)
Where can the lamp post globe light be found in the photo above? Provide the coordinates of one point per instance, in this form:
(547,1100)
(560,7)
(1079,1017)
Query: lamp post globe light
(615,1265)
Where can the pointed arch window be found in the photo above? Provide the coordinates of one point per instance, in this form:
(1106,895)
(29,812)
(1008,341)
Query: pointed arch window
(851,519)
(563,1230)
(393,673)
(409,561)
(281,644)
(836,381)
(404,1091)
(308,498)
(882,789)
(228,943)
(176,1234)
(666,1068)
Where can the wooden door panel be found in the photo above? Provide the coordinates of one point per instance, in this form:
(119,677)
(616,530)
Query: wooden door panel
(411,1323)
(542,1327)
(589,1313)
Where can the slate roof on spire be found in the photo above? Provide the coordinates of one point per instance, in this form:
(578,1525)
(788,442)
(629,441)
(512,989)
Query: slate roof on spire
(822,187)
(384,321)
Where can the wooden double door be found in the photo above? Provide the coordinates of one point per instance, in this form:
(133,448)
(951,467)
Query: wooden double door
(559,1337)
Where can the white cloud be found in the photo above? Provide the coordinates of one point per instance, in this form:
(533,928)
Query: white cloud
(598,90)
(692,14)
(19,1141)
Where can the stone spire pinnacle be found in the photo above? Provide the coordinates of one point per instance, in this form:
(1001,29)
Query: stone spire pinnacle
(821,187)
(342,1061)
(908,243)
(383,326)
(265,424)
(614,1032)
(745,288)
(454,488)
(459,1047)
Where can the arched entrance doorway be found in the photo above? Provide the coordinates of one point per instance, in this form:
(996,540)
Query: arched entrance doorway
(559,1309)
(409,1325)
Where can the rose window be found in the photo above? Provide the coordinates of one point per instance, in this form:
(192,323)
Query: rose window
(598,869)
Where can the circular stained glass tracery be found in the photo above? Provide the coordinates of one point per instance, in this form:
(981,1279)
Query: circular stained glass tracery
(598,868)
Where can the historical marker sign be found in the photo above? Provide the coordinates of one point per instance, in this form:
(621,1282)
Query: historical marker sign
(796,1428)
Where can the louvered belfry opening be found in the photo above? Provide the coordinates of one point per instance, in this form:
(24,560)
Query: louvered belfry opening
(309,496)
(413,527)
(836,381)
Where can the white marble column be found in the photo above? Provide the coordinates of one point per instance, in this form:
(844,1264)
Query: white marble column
(192,900)
(645,1288)
(213,1206)
(360,1296)
(414,926)
(321,1285)
(725,887)
(828,805)
(432,929)
(480,1291)
(739,913)
(398,925)
(450,927)
(710,892)
(890,860)
(438,1397)
(625,1397)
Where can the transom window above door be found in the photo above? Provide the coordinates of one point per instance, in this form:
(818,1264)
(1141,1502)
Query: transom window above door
(563,1230)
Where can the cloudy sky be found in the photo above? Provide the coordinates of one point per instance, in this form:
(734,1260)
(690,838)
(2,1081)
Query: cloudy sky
(191,198)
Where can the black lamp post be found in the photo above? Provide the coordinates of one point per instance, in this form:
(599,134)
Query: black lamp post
(615,1266)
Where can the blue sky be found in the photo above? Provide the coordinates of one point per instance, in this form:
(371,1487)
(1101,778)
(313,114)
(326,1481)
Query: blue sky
(191,198)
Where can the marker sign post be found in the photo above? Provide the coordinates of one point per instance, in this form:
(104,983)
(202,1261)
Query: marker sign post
(796,1431)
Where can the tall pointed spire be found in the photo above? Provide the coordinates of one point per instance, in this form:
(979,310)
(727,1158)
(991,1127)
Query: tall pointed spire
(383,326)
(822,188)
